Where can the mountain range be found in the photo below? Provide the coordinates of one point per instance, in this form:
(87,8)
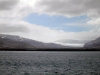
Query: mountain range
(16,42)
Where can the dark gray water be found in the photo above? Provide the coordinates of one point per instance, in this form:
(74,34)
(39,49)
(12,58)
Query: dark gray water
(49,63)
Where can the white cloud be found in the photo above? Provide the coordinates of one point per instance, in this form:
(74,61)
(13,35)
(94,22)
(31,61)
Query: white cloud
(71,8)
(40,33)
(32,31)
(94,21)
(68,7)
(52,7)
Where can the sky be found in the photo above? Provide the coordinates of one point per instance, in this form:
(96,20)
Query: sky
(72,22)
(59,22)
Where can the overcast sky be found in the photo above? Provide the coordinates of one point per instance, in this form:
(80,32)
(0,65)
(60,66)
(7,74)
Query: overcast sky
(61,21)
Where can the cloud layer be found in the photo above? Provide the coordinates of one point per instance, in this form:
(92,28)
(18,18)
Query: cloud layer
(71,8)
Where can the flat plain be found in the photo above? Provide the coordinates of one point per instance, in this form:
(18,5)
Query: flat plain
(49,63)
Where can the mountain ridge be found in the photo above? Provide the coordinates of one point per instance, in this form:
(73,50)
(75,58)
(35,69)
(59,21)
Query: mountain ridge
(16,42)
(93,44)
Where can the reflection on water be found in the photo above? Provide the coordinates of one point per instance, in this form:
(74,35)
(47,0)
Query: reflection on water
(49,63)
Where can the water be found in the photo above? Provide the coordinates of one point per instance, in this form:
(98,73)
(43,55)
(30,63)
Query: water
(49,63)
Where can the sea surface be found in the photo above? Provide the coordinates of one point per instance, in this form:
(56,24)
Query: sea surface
(49,63)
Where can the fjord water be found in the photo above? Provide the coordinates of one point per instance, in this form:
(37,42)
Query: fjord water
(49,63)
